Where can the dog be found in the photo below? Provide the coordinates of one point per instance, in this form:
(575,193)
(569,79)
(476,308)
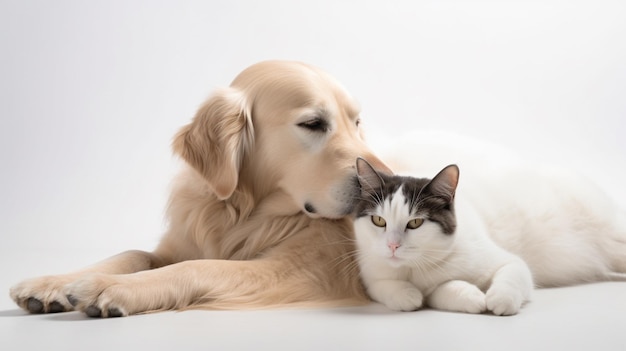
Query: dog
(258,217)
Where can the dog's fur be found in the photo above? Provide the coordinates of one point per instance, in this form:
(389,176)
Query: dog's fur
(257,219)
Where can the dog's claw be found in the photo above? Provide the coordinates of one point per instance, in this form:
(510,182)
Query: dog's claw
(93,311)
(34,305)
(72,300)
(56,307)
(114,312)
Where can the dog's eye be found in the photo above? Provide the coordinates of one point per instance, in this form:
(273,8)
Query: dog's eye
(315,125)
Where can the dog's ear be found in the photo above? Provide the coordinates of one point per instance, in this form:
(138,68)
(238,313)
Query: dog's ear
(215,142)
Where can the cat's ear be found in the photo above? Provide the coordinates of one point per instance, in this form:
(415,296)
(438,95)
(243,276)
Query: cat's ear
(445,182)
(369,179)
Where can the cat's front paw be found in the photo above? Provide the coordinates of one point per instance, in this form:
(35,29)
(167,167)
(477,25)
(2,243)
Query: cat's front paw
(504,300)
(458,296)
(407,299)
(470,300)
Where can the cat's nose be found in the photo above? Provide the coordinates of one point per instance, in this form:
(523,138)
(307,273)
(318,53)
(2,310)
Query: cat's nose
(393,247)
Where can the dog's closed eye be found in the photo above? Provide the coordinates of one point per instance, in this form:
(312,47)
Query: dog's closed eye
(317,125)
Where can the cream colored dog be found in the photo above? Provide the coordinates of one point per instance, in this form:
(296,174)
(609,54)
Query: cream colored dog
(257,220)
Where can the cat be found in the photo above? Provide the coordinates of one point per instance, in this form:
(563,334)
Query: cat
(416,248)
(507,208)
(565,227)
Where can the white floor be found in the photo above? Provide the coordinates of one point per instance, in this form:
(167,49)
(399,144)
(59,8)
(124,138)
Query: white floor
(582,318)
(588,317)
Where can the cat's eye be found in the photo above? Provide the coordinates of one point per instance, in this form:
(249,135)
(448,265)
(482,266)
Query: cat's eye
(414,223)
(379,221)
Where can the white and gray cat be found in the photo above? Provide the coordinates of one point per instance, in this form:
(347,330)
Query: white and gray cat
(419,244)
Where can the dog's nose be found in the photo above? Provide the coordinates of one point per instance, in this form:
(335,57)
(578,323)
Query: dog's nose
(309,208)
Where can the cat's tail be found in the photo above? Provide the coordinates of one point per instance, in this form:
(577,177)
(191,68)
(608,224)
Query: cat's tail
(615,248)
(616,277)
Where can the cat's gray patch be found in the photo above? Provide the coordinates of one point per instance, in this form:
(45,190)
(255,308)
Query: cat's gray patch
(425,196)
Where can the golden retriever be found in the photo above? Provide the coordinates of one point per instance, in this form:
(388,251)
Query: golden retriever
(257,219)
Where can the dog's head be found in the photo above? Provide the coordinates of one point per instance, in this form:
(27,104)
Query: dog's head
(280,126)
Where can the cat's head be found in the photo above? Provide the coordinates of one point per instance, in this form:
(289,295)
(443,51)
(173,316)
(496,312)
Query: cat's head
(401,219)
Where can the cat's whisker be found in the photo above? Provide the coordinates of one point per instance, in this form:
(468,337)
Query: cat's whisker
(352,267)
(377,196)
(350,255)
(338,242)
(451,265)
(423,267)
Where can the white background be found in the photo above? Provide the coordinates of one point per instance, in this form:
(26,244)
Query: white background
(91,93)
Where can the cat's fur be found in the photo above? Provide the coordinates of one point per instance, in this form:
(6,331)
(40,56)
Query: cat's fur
(566,229)
(447,262)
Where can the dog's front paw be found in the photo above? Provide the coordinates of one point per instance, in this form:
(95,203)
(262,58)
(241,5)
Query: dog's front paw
(504,300)
(98,295)
(43,294)
(406,299)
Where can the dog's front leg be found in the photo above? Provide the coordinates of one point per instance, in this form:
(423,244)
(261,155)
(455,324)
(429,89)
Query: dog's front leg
(175,286)
(47,295)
